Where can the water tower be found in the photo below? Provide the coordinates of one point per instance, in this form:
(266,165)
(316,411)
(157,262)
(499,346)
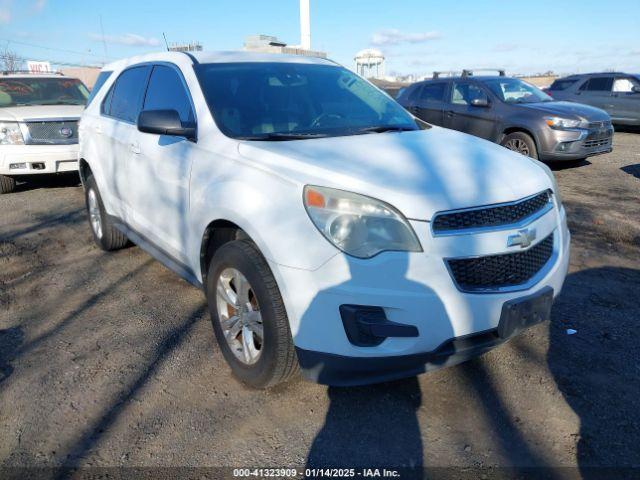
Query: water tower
(370,63)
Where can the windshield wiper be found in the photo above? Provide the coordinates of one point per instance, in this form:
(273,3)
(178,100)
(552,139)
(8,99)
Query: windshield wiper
(285,136)
(385,128)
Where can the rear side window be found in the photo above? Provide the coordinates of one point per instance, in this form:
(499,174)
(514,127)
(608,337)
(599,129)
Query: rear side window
(562,84)
(125,99)
(433,92)
(598,84)
(167,91)
(102,77)
(625,85)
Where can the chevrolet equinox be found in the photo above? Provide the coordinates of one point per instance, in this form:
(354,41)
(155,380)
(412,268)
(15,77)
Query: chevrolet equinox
(331,231)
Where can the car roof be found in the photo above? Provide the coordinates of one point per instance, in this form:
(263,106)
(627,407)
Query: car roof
(217,57)
(33,75)
(469,77)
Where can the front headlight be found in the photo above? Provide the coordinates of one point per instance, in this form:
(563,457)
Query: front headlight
(560,123)
(358,225)
(10,134)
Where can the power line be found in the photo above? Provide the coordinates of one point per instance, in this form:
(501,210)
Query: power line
(26,44)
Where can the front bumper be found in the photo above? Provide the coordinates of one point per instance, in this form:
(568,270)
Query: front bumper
(413,289)
(575,144)
(38,159)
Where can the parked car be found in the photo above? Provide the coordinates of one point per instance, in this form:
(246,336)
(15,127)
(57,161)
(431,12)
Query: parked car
(513,113)
(39,116)
(616,93)
(329,228)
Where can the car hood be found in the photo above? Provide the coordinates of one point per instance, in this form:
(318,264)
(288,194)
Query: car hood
(419,172)
(569,110)
(38,112)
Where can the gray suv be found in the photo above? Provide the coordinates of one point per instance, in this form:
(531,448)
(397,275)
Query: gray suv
(617,93)
(513,113)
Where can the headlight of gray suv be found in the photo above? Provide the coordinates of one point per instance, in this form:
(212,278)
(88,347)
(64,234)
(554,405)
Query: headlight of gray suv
(560,123)
(358,225)
(10,134)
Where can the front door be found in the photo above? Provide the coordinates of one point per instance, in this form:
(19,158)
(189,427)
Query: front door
(461,114)
(597,92)
(160,167)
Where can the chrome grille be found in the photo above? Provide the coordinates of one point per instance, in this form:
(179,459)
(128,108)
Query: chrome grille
(495,272)
(602,124)
(52,132)
(491,216)
(603,142)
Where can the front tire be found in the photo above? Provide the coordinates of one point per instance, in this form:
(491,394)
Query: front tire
(522,143)
(105,234)
(7,184)
(248,316)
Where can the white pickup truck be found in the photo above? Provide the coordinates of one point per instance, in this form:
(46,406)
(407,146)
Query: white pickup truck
(39,116)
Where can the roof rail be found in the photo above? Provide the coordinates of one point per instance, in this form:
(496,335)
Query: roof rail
(12,72)
(449,73)
(470,73)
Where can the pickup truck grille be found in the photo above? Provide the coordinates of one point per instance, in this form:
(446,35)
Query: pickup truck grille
(490,216)
(52,132)
(494,272)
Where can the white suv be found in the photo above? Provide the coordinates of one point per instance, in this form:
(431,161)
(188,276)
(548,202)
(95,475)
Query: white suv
(330,230)
(39,116)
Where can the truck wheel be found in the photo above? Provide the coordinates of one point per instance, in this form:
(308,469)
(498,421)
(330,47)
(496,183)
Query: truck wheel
(248,316)
(106,236)
(7,184)
(522,143)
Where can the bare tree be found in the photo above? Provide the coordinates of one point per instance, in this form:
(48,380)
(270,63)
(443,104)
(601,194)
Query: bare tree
(9,60)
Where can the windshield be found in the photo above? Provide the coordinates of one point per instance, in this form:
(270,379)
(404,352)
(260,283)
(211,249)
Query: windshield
(42,91)
(285,101)
(512,90)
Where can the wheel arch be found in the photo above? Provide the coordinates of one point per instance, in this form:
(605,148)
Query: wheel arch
(217,233)
(517,128)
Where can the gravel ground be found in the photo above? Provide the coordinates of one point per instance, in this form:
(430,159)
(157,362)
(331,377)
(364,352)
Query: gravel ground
(110,360)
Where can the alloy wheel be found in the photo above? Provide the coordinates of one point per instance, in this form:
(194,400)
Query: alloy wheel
(95,217)
(239,316)
(519,146)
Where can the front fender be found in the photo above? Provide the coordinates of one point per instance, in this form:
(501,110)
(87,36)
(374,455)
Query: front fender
(270,211)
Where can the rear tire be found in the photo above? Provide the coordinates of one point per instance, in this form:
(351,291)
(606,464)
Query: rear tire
(257,345)
(7,184)
(522,143)
(105,234)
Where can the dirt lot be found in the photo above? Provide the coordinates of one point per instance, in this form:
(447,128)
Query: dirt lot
(109,359)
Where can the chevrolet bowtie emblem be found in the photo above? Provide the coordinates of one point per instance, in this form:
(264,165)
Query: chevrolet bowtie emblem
(523,238)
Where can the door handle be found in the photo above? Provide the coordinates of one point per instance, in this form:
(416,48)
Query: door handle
(97,129)
(449,113)
(135,148)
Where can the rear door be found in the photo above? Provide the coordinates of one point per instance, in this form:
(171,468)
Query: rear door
(119,113)
(625,100)
(431,102)
(596,91)
(461,115)
(160,166)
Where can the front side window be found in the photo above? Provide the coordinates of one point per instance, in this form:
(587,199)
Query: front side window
(167,92)
(433,92)
(625,85)
(260,100)
(125,99)
(465,93)
(598,84)
(17,92)
(512,90)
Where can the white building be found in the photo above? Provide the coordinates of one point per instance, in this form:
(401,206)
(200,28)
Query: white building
(370,63)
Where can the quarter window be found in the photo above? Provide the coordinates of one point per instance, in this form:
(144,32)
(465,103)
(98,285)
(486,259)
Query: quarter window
(102,78)
(125,99)
(598,84)
(166,91)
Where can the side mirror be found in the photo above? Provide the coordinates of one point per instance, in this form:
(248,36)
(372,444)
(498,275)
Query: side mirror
(635,89)
(164,122)
(480,102)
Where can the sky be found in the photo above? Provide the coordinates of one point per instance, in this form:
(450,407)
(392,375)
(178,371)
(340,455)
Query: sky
(416,36)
